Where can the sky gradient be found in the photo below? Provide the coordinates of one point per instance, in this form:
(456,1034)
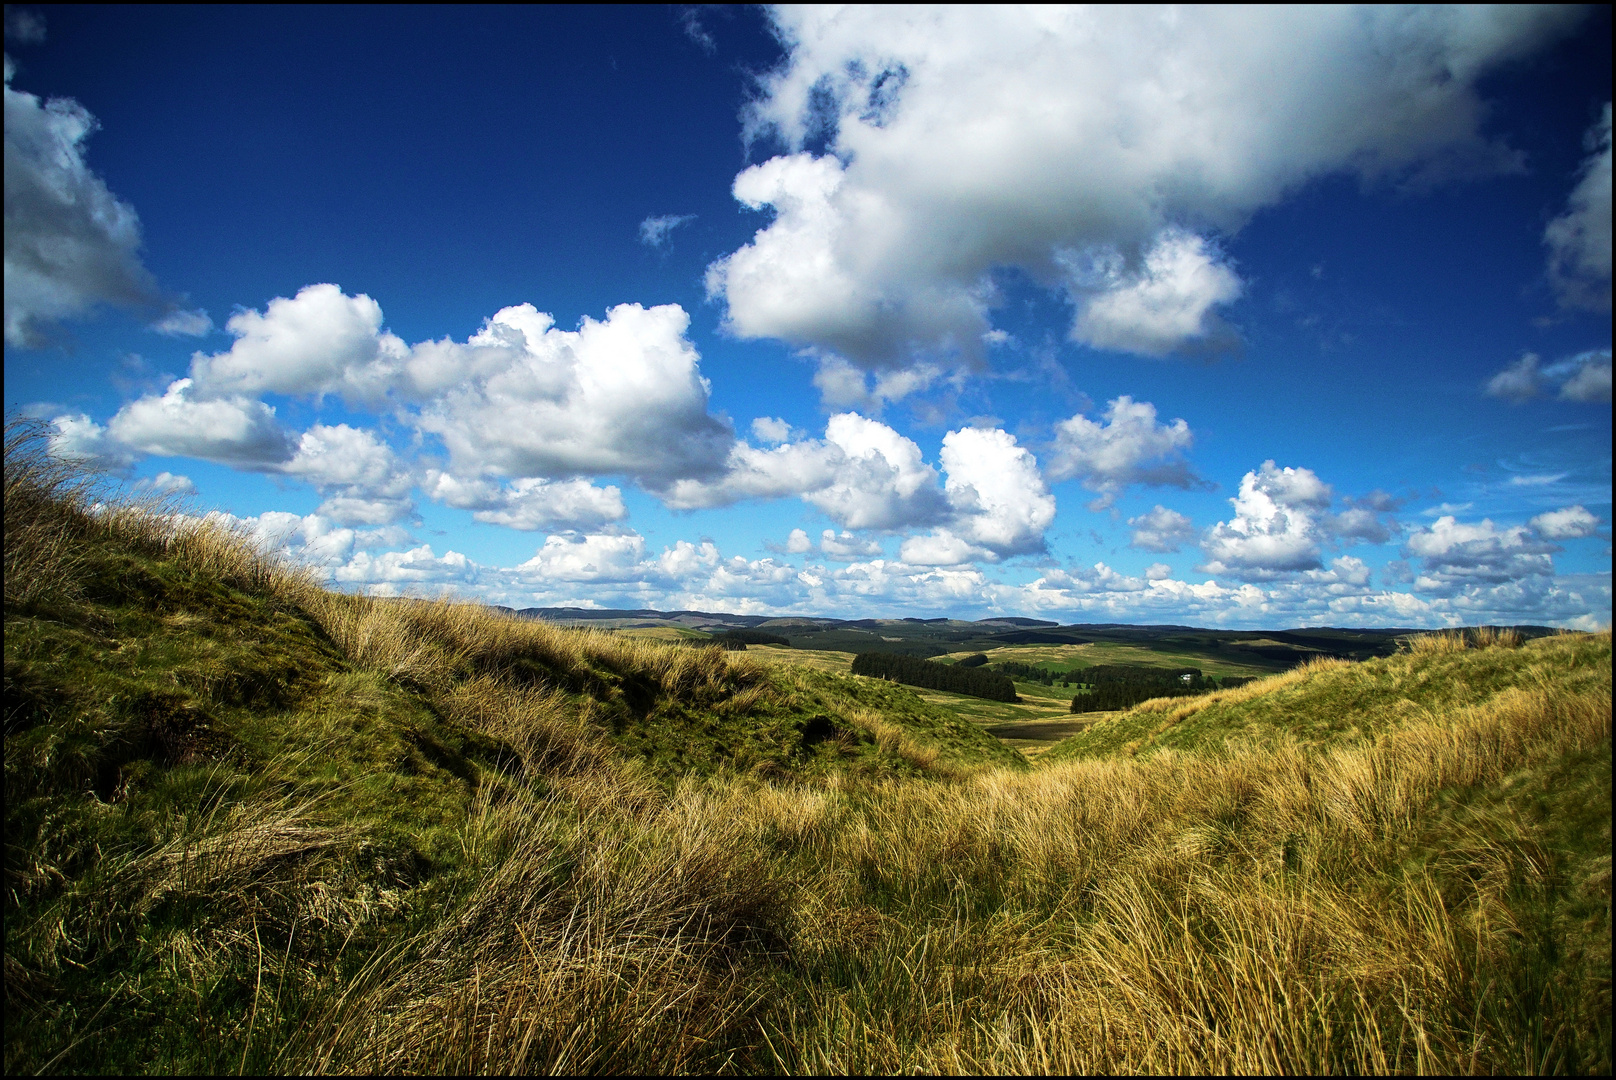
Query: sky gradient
(1246,318)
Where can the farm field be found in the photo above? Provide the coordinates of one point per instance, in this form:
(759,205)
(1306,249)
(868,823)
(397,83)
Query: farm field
(1064,657)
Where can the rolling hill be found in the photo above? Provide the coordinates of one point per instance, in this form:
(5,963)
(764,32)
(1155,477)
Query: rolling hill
(253,825)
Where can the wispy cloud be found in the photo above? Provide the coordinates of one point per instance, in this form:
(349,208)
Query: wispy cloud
(655,231)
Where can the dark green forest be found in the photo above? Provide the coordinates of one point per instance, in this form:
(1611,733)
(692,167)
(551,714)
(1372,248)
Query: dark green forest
(975,682)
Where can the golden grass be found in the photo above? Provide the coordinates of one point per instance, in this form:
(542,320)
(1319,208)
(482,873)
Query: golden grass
(54,507)
(1199,915)
(1457,641)
(626,964)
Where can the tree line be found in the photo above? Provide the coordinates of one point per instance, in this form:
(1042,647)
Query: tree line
(913,671)
(1119,686)
(738,640)
(1031,672)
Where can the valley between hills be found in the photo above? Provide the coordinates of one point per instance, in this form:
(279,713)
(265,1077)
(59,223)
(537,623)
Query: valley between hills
(255,825)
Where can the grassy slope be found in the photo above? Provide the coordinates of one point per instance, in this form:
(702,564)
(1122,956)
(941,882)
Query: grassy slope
(170,709)
(254,825)
(202,756)
(1553,813)
(1442,890)
(1332,702)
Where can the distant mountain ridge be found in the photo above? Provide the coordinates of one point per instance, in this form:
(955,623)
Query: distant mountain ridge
(1272,649)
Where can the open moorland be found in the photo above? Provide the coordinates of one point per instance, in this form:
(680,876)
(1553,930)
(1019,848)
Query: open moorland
(253,825)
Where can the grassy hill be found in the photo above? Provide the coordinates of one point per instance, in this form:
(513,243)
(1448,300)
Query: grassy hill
(252,825)
(1332,702)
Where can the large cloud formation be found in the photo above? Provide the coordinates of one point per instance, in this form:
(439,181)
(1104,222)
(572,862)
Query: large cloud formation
(1277,526)
(999,506)
(518,398)
(1282,523)
(526,412)
(1101,150)
(865,475)
(1579,239)
(70,242)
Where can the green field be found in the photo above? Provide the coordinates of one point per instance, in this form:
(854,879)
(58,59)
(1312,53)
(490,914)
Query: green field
(1057,658)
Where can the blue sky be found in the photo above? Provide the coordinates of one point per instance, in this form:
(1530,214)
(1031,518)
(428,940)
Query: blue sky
(1258,317)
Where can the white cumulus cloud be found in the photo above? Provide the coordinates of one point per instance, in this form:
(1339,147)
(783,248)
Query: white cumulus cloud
(167,483)
(588,557)
(1456,553)
(1098,149)
(363,480)
(847,547)
(862,474)
(770,429)
(1128,447)
(520,398)
(78,438)
(529,503)
(181,422)
(1164,305)
(1161,529)
(998,504)
(1568,523)
(1278,525)
(319,342)
(623,395)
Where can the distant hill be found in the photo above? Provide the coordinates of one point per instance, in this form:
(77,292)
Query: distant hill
(1275,650)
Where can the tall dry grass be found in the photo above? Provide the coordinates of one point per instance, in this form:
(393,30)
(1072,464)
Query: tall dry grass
(633,960)
(54,508)
(45,506)
(432,643)
(1457,641)
(1241,913)
(1246,912)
